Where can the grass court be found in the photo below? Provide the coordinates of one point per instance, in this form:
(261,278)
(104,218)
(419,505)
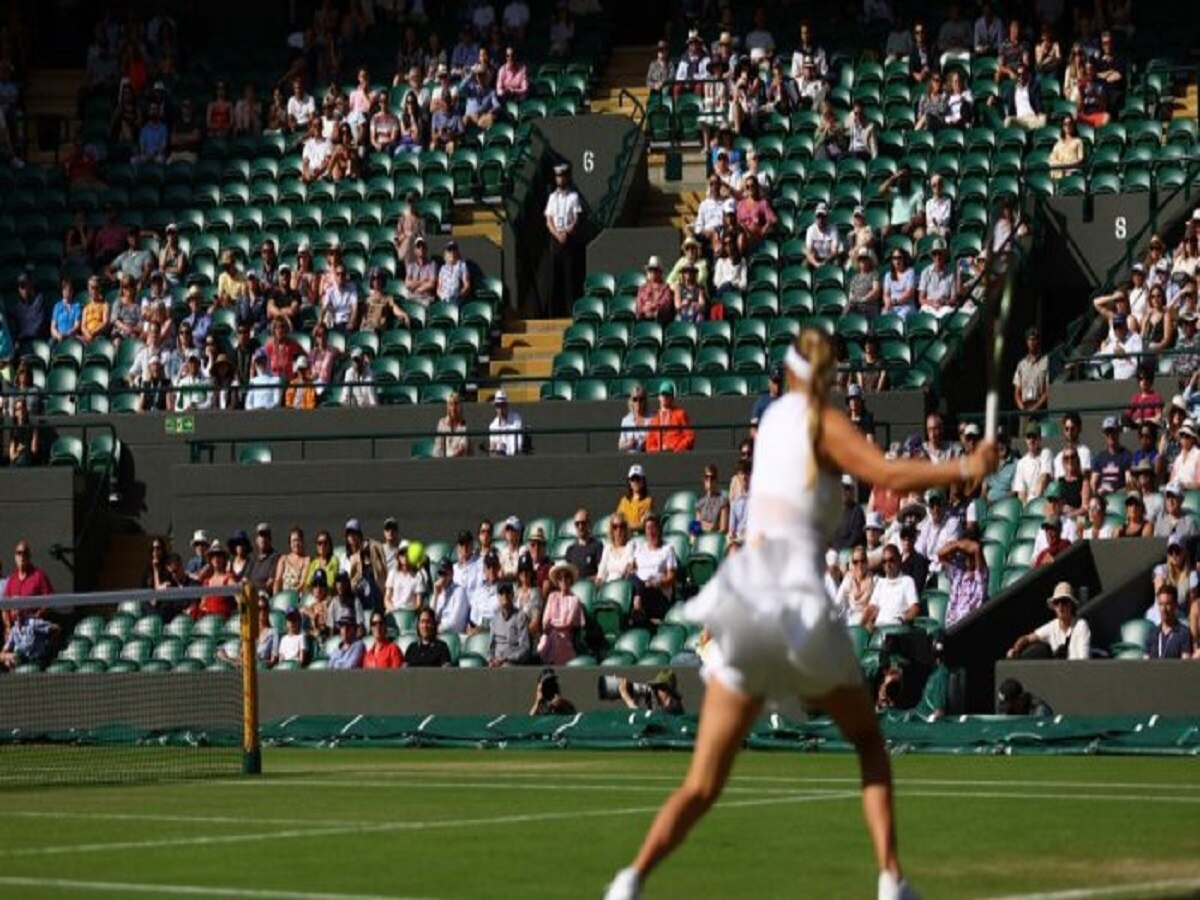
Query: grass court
(335,824)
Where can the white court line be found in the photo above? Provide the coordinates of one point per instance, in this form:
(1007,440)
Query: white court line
(362,828)
(185,890)
(616,786)
(902,794)
(1138,889)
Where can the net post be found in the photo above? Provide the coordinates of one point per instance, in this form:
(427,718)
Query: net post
(248,609)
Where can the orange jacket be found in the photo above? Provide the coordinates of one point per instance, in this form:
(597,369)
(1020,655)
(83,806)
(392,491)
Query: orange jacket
(676,437)
(306,392)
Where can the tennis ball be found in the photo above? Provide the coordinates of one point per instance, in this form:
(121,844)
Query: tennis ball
(416,553)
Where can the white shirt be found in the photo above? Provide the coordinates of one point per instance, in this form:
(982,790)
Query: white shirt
(1027,480)
(564,208)
(933,536)
(1085,461)
(710,215)
(360,388)
(613,562)
(193,393)
(1124,368)
(316,153)
(406,588)
(1186,468)
(824,243)
(1069,533)
(938,213)
(342,302)
(291,648)
(451,608)
(1080,635)
(653,563)
(301,109)
(507,438)
(485,603)
(893,597)
(1021,101)
(469,574)
(265,392)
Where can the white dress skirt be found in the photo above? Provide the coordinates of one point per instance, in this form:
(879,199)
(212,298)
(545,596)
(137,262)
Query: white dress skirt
(775,632)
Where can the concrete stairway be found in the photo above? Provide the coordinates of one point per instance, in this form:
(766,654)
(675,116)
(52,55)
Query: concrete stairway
(527,349)
(626,70)
(477,221)
(53,91)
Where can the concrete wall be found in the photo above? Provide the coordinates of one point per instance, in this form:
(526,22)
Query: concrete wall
(43,506)
(1109,687)
(480,692)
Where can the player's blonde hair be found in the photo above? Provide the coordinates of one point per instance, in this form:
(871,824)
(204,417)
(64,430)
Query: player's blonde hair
(816,349)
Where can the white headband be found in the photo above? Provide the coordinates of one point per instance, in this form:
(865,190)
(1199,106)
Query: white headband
(797,364)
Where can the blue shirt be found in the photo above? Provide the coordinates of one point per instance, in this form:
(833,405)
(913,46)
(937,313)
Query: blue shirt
(894,288)
(153,139)
(348,656)
(1174,644)
(67,316)
(199,323)
(29,638)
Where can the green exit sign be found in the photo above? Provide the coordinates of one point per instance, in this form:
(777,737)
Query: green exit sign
(180,424)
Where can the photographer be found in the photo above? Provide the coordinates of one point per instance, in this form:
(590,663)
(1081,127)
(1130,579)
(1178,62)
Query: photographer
(660,694)
(548,699)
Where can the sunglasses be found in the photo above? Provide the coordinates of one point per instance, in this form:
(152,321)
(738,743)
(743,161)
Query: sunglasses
(581,523)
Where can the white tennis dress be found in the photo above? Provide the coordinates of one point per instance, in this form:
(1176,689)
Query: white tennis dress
(774,626)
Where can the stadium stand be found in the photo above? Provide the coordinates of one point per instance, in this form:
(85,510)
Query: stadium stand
(842,190)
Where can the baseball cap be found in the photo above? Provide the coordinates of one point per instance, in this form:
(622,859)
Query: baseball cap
(513,522)
(319,579)
(1173,489)
(354,525)
(822,209)
(390,522)
(847,481)
(855,390)
(262,528)
(200,536)
(465,537)
(500,397)
(1111,424)
(971,430)
(636,471)
(874,522)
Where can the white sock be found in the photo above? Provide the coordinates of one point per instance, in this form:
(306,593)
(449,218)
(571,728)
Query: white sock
(626,885)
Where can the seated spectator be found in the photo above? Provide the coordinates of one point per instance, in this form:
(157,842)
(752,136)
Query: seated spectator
(66,320)
(1054,542)
(853,597)
(29,640)
(894,597)
(509,644)
(1173,521)
(506,433)
(906,202)
(218,575)
(512,78)
(933,105)
(359,381)
(755,216)
(428,650)
(1136,524)
(691,301)
(452,440)
(1122,349)
(317,154)
(670,429)
(133,261)
(340,308)
(293,644)
(412,132)
(380,309)
(265,389)
(617,560)
(1066,636)
(710,215)
(636,504)
(739,506)
(483,597)
(1094,525)
(126,316)
(1158,323)
(964,563)
(1047,54)
(454,277)
(421,275)
(937,291)
(939,209)
(899,286)
(660,70)
(653,580)
(960,104)
(350,650)
(384,652)
(1022,101)
(585,553)
(860,236)
(1035,468)
(24,446)
(1072,487)
(858,414)
(1185,469)
(95,315)
(1110,466)
(480,99)
(302,390)
(193,389)
(712,506)
(937,530)
(1172,639)
(1093,105)
(691,256)
(632,438)
(562,618)
(863,143)
(852,523)
(445,124)
(821,241)
(654,296)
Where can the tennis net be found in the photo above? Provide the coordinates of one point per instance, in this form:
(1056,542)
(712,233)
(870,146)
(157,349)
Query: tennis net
(127,687)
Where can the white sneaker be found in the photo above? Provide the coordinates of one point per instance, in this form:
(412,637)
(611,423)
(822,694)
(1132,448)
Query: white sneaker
(625,886)
(893,888)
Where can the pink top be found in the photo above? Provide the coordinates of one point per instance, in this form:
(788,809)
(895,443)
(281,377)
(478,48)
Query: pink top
(562,616)
(511,81)
(33,583)
(360,100)
(755,216)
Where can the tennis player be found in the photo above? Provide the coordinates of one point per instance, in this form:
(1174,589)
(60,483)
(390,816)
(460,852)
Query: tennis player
(775,631)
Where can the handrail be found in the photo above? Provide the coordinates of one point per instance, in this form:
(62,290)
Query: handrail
(606,211)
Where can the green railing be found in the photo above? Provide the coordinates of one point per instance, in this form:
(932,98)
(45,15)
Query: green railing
(609,207)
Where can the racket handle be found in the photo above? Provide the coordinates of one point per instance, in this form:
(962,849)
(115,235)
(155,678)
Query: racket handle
(991,414)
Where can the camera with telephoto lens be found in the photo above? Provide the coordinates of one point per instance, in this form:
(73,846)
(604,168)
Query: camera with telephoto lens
(548,685)
(608,687)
